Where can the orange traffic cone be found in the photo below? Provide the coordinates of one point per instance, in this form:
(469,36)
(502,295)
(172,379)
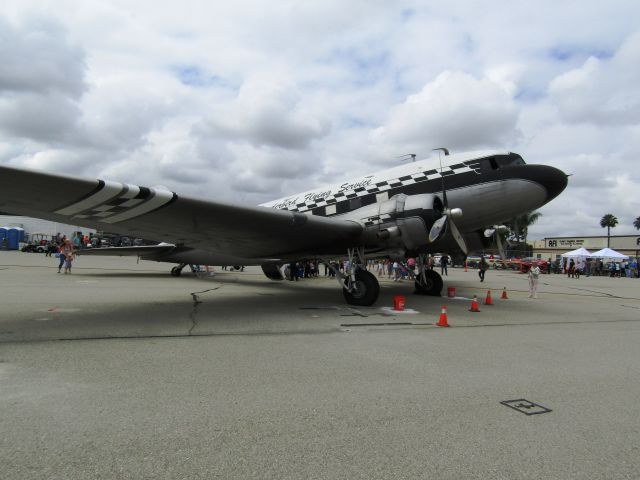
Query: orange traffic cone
(504,294)
(443,317)
(474,304)
(488,300)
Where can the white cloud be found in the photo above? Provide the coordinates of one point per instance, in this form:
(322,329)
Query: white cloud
(249,101)
(602,91)
(455,110)
(269,111)
(37,56)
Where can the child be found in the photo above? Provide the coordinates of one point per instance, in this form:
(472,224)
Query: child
(67,262)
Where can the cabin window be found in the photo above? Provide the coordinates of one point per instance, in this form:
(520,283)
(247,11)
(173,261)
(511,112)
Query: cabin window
(486,165)
(382,197)
(355,203)
(368,200)
(342,207)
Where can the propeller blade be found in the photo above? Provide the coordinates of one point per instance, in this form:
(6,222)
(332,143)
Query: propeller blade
(500,247)
(437,228)
(458,238)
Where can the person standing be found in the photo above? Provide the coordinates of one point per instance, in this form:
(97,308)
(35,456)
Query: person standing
(411,267)
(396,271)
(65,249)
(482,267)
(68,260)
(571,269)
(534,274)
(444,261)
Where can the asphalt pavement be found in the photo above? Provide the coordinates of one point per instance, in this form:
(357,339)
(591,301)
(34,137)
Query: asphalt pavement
(121,371)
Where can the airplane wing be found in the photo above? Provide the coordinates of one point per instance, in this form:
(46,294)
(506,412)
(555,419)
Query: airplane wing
(156,213)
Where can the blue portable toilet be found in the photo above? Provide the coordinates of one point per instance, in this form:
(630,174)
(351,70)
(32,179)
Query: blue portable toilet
(3,238)
(15,235)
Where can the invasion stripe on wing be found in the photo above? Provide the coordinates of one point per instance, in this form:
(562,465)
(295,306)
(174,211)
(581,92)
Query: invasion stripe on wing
(107,192)
(159,198)
(114,202)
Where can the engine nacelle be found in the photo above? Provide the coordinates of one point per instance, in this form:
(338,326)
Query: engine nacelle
(402,221)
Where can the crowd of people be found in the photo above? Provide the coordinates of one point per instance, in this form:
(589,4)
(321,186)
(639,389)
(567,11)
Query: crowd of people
(599,268)
(396,270)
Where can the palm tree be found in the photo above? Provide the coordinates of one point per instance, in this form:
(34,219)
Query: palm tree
(519,226)
(522,223)
(636,223)
(609,221)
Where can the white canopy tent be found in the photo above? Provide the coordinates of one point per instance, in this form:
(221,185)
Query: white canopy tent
(578,253)
(609,254)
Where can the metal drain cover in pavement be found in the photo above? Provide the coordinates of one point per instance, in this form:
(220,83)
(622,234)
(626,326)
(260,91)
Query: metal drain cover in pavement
(526,407)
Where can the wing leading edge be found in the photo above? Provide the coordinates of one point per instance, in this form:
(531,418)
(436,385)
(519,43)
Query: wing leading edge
(155,213)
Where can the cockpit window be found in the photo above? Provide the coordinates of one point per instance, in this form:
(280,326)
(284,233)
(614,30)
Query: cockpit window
(498,161)
(488,164)
(511,160)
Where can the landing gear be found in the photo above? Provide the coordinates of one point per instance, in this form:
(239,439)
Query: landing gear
(177,270)
(364,289)
(428,282)
(359,286)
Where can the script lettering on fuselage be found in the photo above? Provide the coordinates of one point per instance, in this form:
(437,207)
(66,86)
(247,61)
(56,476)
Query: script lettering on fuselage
(316,196)
(319,196)
(286,203)
(352,186)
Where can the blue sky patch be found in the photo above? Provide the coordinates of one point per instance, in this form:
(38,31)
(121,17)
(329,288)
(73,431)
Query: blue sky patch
(194,76)
(567,53)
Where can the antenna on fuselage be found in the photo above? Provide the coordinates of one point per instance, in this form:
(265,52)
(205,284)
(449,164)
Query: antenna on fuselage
(444,190)
(445,150)
(408,155)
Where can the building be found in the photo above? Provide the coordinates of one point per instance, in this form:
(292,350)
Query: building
(32,226)
(553,247)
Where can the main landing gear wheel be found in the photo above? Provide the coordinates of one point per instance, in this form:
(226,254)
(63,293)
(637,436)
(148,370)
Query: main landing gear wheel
(366,289)
(432,286)
(177,270)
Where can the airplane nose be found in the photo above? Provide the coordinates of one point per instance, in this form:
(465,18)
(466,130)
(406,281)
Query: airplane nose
(552,179)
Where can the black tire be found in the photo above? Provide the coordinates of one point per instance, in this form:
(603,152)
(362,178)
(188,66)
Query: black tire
(176,271)
(367,290)
(433,285)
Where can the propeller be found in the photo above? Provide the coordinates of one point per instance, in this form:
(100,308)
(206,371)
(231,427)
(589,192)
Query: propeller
(448,214)
(495,230)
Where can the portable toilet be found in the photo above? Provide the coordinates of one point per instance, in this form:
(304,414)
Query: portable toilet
(15,235)
(3,238)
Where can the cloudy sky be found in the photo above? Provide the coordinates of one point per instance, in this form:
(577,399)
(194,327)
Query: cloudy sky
(251,100)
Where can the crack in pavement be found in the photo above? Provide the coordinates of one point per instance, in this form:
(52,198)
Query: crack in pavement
(196,302)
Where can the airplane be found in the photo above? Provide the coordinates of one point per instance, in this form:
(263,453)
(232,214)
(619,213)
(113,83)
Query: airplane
(410,210)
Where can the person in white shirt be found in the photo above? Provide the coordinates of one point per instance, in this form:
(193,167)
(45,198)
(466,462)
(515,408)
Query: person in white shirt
(534,274)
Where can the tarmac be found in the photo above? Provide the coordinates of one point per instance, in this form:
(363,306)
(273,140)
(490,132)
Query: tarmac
(121,371)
